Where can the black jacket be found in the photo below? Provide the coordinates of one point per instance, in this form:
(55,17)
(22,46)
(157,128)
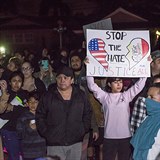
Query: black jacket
(61,122)
(33,146)
(12,116)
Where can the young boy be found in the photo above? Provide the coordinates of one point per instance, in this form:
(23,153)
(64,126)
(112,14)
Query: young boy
(33,146)
(146,141)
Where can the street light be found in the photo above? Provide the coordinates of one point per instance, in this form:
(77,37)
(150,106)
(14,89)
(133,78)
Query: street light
(60,29)
(2,50)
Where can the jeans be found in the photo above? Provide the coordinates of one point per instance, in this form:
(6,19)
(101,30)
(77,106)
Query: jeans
(11,142)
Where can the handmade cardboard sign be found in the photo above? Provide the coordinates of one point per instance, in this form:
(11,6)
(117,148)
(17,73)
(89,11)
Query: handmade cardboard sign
(102,24)
(113,53)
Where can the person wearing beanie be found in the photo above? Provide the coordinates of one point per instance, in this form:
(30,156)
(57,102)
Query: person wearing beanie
(63,116)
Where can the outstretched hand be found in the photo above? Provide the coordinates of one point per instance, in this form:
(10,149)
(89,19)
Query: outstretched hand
(3,85)
(149,58)
(86,61)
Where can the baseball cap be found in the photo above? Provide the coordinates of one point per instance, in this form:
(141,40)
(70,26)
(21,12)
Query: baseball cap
(67,71)
(155,54)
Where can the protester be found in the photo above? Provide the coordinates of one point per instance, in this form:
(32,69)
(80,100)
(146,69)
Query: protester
(20,55)
(115,105)
(63,117)
(139,109)
(30,82)
(14,64)
(146,139)
(12,110)
(46,73)
(76,63)
(33,145)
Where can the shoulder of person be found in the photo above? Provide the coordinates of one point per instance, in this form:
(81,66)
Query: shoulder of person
(49,94)
(25,115)
(38,80)
(79,89)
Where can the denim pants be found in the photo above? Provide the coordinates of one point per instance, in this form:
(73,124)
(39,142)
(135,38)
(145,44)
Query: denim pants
(11,143)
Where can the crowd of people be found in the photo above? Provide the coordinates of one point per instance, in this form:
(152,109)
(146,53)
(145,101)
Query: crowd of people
(50,110)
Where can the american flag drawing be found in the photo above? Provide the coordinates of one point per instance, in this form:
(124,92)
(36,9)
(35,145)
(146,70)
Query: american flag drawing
(96,48)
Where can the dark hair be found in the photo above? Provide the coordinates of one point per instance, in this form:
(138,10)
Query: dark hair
(67,71)
(157,76)
(157,85)
(16,73)
(34,94)
(77,53)
(30,63)
(44,58)
(20,53)
(113,79)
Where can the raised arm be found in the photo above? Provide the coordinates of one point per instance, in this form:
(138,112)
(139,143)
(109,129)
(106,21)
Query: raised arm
(135,89)
(4,96)
(97,91)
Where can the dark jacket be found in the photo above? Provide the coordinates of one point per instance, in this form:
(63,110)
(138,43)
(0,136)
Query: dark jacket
(39,86)
(12,116)
(33,145)
(63,122)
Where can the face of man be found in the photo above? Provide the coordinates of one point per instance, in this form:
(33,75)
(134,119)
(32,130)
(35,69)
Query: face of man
(64,83)
(19,56)
(154,94)
(76,63)
(155,66)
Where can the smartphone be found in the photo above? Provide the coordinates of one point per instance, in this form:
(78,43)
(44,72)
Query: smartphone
(32,121)
(45,64)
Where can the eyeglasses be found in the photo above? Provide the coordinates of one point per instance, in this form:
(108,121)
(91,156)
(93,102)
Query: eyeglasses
(26,69)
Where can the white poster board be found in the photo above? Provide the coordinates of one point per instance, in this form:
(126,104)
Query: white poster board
(102,25)
(115,53)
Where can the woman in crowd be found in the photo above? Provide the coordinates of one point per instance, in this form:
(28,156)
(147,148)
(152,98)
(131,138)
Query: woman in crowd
(46,73)
(14,64)
(115,105)
(30,82)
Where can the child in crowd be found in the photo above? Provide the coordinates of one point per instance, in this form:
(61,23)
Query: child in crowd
(115,105)
(146,140)
(33,146)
